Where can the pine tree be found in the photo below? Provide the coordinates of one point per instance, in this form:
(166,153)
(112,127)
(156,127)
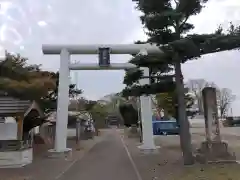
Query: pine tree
(167,25)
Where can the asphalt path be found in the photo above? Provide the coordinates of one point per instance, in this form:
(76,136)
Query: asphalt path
(107,160)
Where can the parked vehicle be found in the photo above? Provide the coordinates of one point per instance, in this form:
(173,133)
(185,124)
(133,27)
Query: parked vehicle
(165,128)
(113,120)
(232,121)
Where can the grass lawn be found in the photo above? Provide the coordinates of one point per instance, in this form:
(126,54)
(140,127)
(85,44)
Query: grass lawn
(210,172)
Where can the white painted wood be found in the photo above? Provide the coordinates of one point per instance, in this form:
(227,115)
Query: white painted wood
(93,48)
(16,159)
(63,97)
(8,131)
(94,66)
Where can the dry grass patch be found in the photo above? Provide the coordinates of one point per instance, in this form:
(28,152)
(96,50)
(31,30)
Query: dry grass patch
(210,172)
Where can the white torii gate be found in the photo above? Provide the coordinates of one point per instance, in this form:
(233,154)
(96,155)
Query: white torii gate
(63,97)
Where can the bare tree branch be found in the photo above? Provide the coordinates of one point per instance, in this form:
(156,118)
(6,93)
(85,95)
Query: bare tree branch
(224,100)
(196,86)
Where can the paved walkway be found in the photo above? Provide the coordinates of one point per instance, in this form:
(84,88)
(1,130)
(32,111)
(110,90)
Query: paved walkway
(107,160)
(50,168)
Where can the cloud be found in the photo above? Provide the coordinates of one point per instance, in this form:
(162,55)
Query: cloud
(32,23)
(82,22)
(215,13)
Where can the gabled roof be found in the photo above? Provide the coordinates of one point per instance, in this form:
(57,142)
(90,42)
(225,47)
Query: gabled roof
(10,106)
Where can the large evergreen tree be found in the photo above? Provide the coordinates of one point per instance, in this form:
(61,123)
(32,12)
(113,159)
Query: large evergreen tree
(166,22)
(167,25)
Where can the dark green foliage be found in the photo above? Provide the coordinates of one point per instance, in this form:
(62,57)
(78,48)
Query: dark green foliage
(129,114)
(166,20)
(158,77)
(137,90)
(72,121)
(194,46)
(32,120)
(132,76)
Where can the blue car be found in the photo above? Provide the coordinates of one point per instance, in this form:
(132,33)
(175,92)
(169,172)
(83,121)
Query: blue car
(165,128)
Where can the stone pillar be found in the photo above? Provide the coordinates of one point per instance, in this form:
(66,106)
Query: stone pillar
(60,146)
(213,149)
(211,114)
(146,116)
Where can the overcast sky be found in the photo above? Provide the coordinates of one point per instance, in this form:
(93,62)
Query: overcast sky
(25,25)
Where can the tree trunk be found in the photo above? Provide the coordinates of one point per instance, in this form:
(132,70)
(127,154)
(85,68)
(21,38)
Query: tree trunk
(185,136)
(200,105)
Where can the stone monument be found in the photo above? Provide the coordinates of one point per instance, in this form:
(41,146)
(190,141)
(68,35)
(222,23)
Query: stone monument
(213,149)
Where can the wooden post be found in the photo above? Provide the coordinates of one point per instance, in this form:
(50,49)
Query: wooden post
(20,127)
(78,134)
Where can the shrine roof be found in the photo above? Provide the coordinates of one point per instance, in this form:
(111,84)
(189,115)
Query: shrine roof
(11,106)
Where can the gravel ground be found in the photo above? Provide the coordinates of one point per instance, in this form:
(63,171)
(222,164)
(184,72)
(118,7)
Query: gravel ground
(109,160)
(168,164)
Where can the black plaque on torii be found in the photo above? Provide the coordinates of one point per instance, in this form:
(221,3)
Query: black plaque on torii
(104,56)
